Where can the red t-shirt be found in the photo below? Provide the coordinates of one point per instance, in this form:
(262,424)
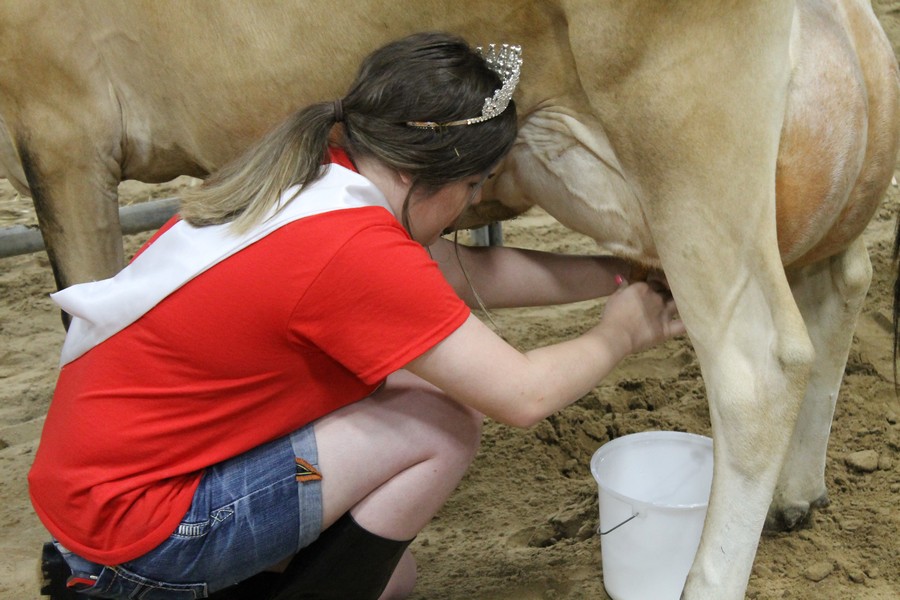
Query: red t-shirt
(309,319)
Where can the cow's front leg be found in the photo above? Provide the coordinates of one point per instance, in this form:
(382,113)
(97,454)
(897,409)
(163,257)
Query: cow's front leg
(73,173)
(830,295)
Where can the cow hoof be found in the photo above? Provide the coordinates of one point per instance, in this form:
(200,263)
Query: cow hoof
(789,518)
(797,515)
(821,502)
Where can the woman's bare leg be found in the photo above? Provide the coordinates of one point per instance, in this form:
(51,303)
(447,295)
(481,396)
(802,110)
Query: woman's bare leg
(393,459)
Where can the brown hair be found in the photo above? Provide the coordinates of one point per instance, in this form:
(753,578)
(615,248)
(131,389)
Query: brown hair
(423,77)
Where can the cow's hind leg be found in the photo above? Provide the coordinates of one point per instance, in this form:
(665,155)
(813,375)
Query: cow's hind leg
(830,295)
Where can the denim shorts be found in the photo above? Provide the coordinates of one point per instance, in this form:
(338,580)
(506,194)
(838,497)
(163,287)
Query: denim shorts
(248,513)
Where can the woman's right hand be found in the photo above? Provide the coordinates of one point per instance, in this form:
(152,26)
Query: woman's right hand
(639,316)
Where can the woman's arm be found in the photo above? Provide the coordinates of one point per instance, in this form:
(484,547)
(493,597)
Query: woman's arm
(513,277)
(477,368)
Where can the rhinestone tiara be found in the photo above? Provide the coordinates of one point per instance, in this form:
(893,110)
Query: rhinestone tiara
(505,62)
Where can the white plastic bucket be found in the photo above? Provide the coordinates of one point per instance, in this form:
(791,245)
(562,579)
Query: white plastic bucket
(654,489)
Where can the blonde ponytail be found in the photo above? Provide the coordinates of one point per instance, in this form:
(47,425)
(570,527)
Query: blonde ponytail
(246,189)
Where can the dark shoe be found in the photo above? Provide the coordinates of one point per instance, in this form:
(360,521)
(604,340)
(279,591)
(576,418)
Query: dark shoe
(55,574)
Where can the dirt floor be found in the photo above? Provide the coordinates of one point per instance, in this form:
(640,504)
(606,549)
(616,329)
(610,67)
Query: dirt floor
(522,524)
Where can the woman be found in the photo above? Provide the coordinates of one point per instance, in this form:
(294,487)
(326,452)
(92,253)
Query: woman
(296,356)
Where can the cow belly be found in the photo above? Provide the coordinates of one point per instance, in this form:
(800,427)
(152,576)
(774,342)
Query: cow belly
(828,181)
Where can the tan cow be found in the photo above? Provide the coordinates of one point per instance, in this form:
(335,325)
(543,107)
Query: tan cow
(664,129)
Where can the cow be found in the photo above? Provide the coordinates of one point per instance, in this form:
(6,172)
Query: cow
(739,146)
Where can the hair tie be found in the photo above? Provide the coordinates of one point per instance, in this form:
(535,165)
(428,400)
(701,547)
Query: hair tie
(338,111)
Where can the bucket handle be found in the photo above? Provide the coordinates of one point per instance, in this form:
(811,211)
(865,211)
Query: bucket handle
(637,514)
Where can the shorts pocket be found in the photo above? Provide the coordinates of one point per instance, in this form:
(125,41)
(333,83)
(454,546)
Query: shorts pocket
(192,528)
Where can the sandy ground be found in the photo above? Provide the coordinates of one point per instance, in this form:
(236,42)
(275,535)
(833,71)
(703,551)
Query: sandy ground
(522,524)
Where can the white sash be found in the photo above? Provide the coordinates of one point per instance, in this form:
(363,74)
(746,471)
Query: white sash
(101,309)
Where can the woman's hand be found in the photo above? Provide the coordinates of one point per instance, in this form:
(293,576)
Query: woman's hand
(639,316)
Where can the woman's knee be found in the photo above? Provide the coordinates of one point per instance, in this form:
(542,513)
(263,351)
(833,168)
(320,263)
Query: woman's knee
(462,426)
(453,428)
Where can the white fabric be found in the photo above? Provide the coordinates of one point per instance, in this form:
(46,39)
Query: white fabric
(101,309)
